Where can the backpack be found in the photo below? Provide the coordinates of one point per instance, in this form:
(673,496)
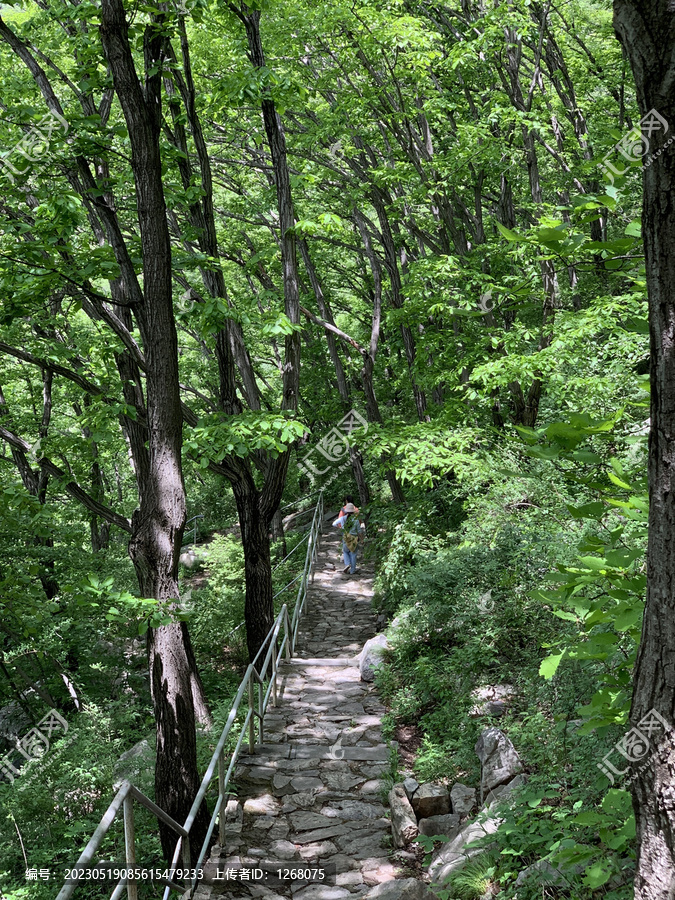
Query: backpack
(351,532)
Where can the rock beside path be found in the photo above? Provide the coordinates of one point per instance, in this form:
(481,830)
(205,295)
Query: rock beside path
(462,799)
(452,856)
(499,760)
(403,822)
(371,656)
(447,825)
(431,800)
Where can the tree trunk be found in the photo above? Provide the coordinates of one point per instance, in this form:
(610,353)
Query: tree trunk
(259,604)
(359,476)
(172,672)
(278,533)
(158,523)
(647,32)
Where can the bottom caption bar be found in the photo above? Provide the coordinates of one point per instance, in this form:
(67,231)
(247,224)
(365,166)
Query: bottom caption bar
(265,872)
(270,873)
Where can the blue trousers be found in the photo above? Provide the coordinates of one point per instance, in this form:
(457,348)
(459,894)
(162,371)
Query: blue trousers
(349,557)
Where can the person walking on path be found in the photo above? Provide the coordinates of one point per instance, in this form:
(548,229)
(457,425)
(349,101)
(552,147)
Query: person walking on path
(347,499)
(352,528)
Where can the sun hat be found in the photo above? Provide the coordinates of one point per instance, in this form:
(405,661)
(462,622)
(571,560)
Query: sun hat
(349,508)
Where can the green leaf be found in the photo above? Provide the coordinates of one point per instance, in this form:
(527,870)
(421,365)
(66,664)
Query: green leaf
(512,236)
(627,619)
(549,666)
(597,875)
(593,510)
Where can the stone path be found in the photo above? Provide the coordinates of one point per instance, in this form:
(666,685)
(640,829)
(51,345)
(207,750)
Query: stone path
(312,794)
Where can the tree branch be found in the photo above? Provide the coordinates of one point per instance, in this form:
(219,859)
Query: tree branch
(71,486)
(333,329)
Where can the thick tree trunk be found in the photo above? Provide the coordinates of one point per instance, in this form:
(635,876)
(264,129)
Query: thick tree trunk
(278,533)
(172,675)
(259,604)
(158,523)
(647,32)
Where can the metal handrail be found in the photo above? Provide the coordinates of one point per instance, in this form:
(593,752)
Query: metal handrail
(300,499)
(193,539)
(281,590)
(252,682)
(299,544)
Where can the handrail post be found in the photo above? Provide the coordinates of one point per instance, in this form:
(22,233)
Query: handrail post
(221,793)
(130,846)
(289,636)
(274,681)
(261,711)
(251,723)
(186,856)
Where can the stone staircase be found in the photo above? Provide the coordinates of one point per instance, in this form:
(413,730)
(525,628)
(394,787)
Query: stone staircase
(312,794)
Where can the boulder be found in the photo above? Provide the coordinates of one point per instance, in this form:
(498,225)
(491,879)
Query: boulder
(452,856)
(462,798)
(501,792)
(431,800)
(400,889)
(403,822)
(492,700)
(188,558)
(499,760)
(410,786)
(371,656)
(447,825)
(542,872)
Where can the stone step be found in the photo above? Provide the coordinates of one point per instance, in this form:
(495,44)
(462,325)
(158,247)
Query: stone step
(379,753)
(299,663)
